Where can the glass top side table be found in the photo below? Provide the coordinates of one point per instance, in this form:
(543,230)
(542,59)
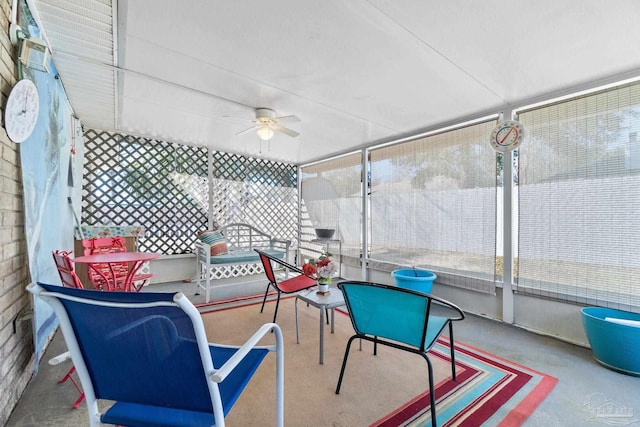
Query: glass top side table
(323,302)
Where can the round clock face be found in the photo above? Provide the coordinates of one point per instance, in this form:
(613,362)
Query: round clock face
(21,112)
(507,135)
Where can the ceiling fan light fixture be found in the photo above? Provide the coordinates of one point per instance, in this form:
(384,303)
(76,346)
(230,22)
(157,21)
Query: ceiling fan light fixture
(266,125)
(265,133)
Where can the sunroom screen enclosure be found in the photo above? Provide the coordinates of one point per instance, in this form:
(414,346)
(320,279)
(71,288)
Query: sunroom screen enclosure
(435,201)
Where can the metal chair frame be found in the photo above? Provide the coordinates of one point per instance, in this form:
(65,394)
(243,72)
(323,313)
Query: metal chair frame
(156,331)
(382,319)
(290,285)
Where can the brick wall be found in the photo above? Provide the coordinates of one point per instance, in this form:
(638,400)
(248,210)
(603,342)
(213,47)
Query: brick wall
(16,338)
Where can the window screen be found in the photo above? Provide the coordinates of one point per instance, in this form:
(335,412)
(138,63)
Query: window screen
(332,198)
(433,205)
(579,200)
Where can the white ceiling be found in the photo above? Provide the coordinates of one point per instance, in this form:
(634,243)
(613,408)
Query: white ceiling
(355,72)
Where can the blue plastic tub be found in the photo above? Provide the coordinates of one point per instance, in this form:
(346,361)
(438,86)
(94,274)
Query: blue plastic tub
(614,345)
(415,279)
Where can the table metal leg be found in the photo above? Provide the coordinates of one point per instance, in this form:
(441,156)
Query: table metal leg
(340,265)
(322,310)
(333,317)
(296,306)
(128,281)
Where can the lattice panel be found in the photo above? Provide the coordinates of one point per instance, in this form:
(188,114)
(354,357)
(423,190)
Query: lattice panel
(196,186)
(164,187)
(229,271)
(258,192)
(129,180)
(233,167)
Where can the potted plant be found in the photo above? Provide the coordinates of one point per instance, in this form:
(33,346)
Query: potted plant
(321,269)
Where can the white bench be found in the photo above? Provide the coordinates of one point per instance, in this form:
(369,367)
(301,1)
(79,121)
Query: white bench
(241,240)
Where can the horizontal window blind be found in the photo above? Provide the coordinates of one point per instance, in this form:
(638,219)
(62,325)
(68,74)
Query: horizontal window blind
(332,198)
(579,200)
(433,205)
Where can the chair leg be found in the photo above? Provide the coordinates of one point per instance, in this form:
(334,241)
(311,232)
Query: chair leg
(265,297)
(275,313)
(198,278)
(453,356)
(68,375)
(75,384)
(432,394)
(344,363)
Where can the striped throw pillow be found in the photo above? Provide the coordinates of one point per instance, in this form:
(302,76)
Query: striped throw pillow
(215,238)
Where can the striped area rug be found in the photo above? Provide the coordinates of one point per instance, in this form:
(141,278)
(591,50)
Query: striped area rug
(489,391)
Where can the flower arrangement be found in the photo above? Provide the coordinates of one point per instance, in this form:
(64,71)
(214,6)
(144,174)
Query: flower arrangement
(322,268)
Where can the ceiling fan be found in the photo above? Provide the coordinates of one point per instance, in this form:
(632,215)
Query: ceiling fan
(267,124)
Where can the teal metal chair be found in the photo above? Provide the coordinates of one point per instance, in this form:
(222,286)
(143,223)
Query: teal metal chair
(399,318)
(148,359)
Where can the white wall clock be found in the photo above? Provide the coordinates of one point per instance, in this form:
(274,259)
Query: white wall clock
(507,135)
(21,111)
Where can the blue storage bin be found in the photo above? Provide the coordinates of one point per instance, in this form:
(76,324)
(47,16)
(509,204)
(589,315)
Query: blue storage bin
(415,279)
(614,345)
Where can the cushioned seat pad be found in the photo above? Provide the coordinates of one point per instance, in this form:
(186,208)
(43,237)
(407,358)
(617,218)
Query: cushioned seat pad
(240,257)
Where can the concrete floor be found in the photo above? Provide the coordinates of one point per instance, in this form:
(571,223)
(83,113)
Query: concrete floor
(582,382)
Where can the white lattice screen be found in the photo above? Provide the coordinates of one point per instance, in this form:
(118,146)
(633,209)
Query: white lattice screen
(165,187)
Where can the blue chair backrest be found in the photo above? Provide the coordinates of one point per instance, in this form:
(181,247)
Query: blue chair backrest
(146,355)
(387,312)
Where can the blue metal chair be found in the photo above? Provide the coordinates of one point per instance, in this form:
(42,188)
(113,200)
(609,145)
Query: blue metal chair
(400,318)
(148,353)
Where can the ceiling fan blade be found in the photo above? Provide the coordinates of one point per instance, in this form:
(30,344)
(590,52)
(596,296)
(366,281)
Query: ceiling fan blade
(238,120)
(290,118)
(284,130)
(245,131)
